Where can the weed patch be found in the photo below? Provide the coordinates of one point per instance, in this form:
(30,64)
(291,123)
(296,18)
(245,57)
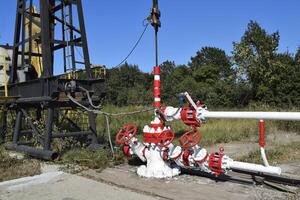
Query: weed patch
(214,131)
(93,159)
(12,168)
(276,155)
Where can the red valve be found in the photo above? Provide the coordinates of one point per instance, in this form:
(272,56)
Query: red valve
(215,162)
(166,138)
(190,139)
(126,133)
(189,117)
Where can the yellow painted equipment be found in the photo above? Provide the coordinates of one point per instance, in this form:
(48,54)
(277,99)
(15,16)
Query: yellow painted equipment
(36,62)
(5,75)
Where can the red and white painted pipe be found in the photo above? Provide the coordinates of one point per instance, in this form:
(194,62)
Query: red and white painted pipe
(156,90)
(262,142)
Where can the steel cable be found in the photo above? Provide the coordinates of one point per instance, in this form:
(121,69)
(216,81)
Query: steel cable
(106,115)
(131,51)
(134,47)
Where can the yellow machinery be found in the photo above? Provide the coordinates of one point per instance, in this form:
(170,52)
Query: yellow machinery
(36,62)
(5,76)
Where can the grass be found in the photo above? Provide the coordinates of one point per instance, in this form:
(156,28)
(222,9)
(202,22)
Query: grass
(222,131)
(214,131)
(85,157)
(277,155)
(92,159)
(12,168)
(116,122)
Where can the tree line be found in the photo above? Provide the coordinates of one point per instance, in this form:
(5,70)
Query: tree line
(255,73)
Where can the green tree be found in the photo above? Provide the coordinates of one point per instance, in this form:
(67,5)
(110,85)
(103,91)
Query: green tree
(212,70)
(254,56)
(167,68)
(127,85)
(272,76)
(296,79)
(297,56)
(214,57)
(167,87)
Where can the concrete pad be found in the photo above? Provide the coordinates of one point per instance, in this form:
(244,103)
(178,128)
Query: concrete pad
(62,186)
(182,187)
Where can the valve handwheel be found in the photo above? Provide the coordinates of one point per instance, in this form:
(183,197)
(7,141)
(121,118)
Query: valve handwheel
(166,138)
(190,139)
(126,133)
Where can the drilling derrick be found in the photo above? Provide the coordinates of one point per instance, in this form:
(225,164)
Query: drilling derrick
(50,36)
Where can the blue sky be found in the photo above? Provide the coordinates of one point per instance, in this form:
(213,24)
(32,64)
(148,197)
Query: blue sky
(113,26)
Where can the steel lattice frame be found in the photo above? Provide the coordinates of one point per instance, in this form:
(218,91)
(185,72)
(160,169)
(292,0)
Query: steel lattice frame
(48,92)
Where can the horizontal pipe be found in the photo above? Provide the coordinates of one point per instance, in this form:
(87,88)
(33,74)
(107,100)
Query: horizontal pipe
(254,167)
(26,132)
(253,115)
(34,152)
(72,134)
(25,143)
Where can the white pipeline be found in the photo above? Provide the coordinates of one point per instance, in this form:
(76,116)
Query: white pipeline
(253,167)
(264,157)
(253,115)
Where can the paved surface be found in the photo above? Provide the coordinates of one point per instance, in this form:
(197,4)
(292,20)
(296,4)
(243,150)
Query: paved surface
(122,183)
(61,186)
(186,186)
(54,184)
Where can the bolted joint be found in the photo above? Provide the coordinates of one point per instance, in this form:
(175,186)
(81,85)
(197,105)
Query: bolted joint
(154,18)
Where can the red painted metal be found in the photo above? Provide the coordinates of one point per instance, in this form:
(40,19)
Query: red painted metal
(262,133)
(190,139)
(156,87)
(126,150)
(156,126)
(157,92)
(185,157)
(162,139)
(189,117)
(151,138)
(126,133)
(157,70)
(166,138)
(156,83)
(215,162)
